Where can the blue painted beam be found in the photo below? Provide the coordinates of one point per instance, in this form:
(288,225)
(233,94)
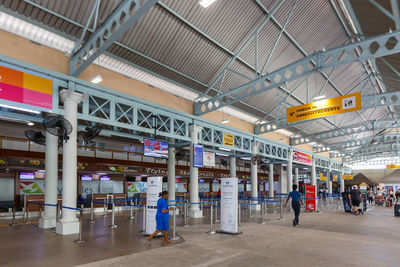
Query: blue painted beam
(125,16)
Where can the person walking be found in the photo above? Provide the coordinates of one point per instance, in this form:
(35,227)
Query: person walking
(355,198)
(370,196)
(296,200)
(162,217)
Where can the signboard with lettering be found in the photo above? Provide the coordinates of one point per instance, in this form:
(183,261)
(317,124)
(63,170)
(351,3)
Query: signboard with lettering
(229,205)
(393,166)
(347,177)
(228,139)
(301,157)
(326,107)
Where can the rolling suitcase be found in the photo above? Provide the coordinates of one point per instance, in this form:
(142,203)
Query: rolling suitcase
(397,210)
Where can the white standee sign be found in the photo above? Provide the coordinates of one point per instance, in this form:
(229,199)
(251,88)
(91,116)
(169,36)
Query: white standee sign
(229,205)
(208,159)
(154,187)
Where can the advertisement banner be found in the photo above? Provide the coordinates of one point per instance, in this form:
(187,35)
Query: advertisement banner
(154,188)
(25,88)
(302,158)
(228,139)
(208,159)
(326,107)
(310,198)
(229,205)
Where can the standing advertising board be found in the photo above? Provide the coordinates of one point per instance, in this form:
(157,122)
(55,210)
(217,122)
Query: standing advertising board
(154,187)
(208,159)
(310,198)
(229,205)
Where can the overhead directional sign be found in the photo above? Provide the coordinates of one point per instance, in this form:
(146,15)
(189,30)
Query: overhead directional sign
(228,139)
(347,177)
(393,166)
(326,107)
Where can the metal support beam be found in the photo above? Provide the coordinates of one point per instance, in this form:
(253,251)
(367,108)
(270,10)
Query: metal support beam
(124,17)
(370,48)
(367,102)
(379,139)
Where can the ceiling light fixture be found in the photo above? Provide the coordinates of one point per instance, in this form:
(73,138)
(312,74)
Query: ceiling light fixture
(30,123)
(96,79)
(224,149)
(206,3)
(319,97)
(225,121)
(20,109)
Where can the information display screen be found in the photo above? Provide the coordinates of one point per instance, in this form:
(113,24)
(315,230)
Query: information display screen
(198,156)
(26,176)
(153,148)
(86,177)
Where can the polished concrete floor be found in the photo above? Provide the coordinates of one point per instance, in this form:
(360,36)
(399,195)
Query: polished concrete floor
(330,238)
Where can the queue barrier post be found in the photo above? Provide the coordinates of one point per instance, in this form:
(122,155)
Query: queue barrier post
(216,212)
(212,231)
(113,226)
(185,222)
(57,212)
(239,216)
(92,212)
(13,223)
(174,236)
(40,210)
(131,217)
(144,219)
(281,210)
(26,211)
(80,239)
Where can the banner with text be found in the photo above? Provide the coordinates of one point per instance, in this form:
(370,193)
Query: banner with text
(154,188)
(323,108)
(347,177)
(229,205)
(228,139)
(208,159)
(310,198)
(301,157)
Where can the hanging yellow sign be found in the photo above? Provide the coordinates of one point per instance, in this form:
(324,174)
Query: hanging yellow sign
(347,177)
(393,166)
(228,139)
(322,177)
(326,107)
(335,178)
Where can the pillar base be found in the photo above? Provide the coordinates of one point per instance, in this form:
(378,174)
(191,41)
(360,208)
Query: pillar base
(47,223)
(195,214)
(255,207)
(67,228)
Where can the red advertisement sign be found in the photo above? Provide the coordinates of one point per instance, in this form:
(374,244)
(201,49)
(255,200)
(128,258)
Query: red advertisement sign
(301,157)
(310,197)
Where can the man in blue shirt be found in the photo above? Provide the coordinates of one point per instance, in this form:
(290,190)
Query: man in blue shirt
(296,200)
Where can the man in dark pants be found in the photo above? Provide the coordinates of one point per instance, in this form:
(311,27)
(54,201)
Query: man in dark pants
(296,200)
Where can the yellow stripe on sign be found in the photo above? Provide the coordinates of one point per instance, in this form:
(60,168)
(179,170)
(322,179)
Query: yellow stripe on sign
(326,107)
(347,177)
(37,84)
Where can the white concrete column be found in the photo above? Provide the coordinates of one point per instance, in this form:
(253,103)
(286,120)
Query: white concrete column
(341,183)
(171,171)
(254,180)
(51,182)
(283,181)
(290,172)
(232,166)
(69,223)
(271,180)
(328,179)
(296,177)
(194,211)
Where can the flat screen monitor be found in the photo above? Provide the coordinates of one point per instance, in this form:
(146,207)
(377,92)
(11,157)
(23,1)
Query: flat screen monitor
(104,178)
(86,177)
(248,181)
(201,180)
(153,148)
(26,176)
(197,156)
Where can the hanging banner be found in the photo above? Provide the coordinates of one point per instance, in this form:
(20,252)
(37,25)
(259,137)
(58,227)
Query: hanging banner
(393,166)
(228,139)
(154,188)
(323,108)
(347,177)
(310,198)
(322,177)
(301,157)
(229,205)
(24,88)
(208,159)
(335,178)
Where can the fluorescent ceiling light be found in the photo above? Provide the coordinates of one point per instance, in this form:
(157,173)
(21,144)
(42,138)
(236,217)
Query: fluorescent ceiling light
(96,79)
(20,109)
(225,149)
(221,154)
(244,158)
(319,97)
(206,3)
(30,123)
(225,121)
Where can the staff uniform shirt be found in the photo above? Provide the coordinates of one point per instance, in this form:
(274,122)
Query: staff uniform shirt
(162,219)
(295,195)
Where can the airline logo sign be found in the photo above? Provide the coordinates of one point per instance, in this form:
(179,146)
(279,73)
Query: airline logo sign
(322,177)
(323,108)
(30,188)
(228,139)
(347,177)
(393,166)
